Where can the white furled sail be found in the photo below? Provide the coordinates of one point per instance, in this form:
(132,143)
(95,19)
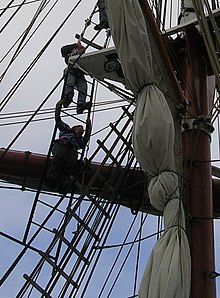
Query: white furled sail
(168,271)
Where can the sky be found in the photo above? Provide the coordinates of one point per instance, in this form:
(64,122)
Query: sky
(15,204)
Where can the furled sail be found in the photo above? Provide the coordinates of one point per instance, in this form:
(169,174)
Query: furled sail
(167,273)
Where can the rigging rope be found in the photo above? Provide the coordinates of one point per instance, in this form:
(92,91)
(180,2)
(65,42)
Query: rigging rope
(13,15)
(23,36)
(16,5)
(34,205)
(28,69)
(15,115)
(5,8)
(209,44)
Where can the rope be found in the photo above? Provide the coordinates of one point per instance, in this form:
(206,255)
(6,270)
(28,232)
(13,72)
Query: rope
(205,31)
(16,5)
(28,69)
(119,253)
(39,187)
(5,8)
(117,104)
(24,35)
(11,48)
(13,15)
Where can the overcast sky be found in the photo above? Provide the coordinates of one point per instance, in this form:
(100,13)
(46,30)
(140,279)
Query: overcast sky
(16,205)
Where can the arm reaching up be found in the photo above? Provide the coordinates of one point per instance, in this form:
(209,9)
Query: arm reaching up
(58,110)
(88,128)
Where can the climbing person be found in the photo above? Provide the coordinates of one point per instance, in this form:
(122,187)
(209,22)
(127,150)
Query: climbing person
(64,166)
(74,78)
(103,21)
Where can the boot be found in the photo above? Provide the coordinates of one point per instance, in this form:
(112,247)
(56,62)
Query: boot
(68,99)
(101,25)
(83,106)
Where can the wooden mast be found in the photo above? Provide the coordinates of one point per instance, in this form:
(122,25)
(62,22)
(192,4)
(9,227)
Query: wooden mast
(198,85)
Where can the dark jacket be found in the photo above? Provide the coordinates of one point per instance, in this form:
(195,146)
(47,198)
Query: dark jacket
(69,136)
(66,51)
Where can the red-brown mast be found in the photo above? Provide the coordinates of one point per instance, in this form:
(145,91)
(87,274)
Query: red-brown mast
(198,85)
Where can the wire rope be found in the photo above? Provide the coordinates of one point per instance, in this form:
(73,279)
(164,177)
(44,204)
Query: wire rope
(13,15)
(108,105)
(4,9)
(29,68)
(24,35)
(118,255)
(20,37)
(123,263)
(138,254)
(34,205)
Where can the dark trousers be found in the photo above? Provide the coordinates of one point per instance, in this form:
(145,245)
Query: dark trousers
(79,82)
(63,164)
(102,11)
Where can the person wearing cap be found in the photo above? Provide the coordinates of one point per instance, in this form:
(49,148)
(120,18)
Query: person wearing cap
(74,79)
(65,152)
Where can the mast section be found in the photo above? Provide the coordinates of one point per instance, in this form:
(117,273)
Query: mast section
(198,84)
(199,87)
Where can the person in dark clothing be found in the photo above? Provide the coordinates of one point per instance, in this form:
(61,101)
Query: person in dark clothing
(74,79)
(103,21)
(65,152)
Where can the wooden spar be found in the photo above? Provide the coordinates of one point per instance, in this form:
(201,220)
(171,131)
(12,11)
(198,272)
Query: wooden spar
(198,86)
(26,169)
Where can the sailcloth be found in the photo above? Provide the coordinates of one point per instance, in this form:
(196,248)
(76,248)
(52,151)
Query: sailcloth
(168,271)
